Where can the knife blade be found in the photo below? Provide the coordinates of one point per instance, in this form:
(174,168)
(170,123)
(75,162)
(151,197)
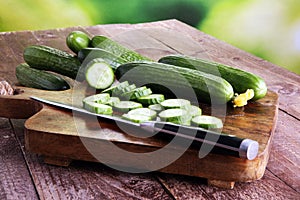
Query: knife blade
(220,143)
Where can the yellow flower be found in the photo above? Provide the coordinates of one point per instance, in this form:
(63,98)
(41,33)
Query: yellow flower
(242,99)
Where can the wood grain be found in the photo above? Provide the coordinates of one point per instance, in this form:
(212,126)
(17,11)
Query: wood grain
(15,180)
(86,180)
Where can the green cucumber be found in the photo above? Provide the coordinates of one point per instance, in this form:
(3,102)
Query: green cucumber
(194,110)
(120,92)
(207,122)
(125,106)
(143,112)
(99,74)
(151,99)
(115,48)
(116,88)
(34,78)
(112,101)
(77,40)
(136,118)
(88,54)
(175,103)
(101,98)
(239,79)
(132,94)
(156,107)
(207,87)
(98,108)
(175,115)
(51,59)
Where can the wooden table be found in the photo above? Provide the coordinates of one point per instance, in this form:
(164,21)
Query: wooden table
(24,175)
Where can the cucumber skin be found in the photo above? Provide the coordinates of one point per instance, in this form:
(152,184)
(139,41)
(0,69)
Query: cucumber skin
(88,54)
(77,40)
(239,79)
(34,78)
(167,75)
(107,44)
(51,59)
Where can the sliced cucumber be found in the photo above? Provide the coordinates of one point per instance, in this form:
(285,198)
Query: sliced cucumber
(175,115)
(97,98)
(116,88)
(136,118)
(207,122)
(99,74)
(120,91)
(98,108)
(151,99)
(137,93)
(125,106)
(194,110)
(143,112)
(175,103)
(156,107)
(112,101)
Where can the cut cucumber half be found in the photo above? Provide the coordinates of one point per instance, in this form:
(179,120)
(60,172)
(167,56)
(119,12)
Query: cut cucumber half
(99,74)
(207,122)
(97,98)
(136,118)
(143,112)
(175,103)
(98,108)
(125,106)
(151,99)
(175,115)
(156,107)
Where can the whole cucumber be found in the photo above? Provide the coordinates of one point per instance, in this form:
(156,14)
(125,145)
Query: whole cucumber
(107,44)
(170,79)
(34,78)
(55,60)
(239,79)
(77,40)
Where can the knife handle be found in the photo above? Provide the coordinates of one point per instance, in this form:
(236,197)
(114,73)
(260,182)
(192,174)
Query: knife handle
(219,143)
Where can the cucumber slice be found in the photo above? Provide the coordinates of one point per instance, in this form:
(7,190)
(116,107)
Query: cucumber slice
(98,108)
(207,122)
(175,115)
(119,91)
(136,118)
(99,74)
(194,110)
(125,106)
(175,103)
(117,87)
(97,98)
(143,112)
(137,93)
(151,99)
(156,107)
(112,101)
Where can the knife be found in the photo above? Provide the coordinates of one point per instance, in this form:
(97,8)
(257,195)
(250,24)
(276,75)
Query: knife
(219,142)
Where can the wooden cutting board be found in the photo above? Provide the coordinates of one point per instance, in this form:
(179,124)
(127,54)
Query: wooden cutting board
(54,133)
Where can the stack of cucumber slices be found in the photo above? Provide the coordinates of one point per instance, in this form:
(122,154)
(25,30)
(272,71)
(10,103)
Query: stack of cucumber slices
(139,104)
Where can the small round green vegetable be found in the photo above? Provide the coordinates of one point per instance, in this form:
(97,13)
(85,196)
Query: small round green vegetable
(77,40)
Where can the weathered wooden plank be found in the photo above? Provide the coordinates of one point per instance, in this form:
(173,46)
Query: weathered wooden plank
(285,158)
(15,179)
(84,180)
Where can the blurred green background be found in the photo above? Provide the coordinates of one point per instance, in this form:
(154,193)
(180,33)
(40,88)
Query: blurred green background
(269,29)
